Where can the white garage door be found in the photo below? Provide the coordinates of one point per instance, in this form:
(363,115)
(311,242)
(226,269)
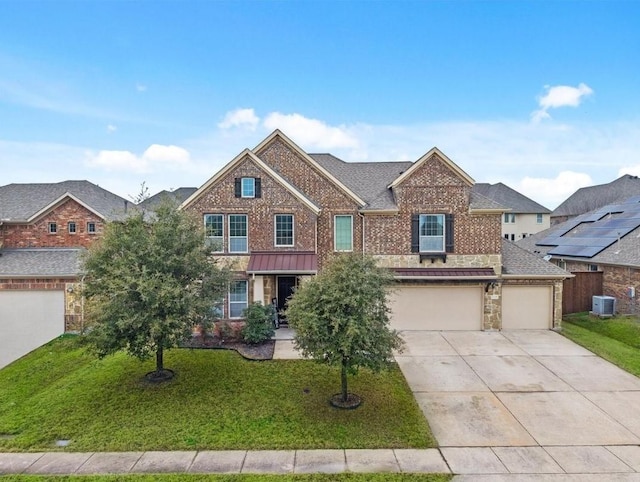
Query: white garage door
(527,307)
(441,308)
(28,319)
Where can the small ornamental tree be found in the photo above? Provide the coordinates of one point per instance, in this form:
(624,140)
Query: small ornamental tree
(149,282)
(341,318)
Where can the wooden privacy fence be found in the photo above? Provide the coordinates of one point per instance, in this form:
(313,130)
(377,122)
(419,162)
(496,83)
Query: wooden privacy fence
(577,292)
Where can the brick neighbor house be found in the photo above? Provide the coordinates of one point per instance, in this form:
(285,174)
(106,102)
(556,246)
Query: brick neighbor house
(44,228)
(278,214)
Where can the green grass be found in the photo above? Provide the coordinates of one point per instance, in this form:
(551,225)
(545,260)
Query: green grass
(218,401)
(615,339)
(237,478)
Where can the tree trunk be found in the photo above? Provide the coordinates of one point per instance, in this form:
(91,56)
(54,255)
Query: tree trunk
(159,359)
(344,379)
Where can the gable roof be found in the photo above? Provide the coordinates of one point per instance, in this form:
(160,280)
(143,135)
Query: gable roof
(448,162)
(589,198)
(262,165)
(26,202)
(328,175)
(504,195)
(479,204)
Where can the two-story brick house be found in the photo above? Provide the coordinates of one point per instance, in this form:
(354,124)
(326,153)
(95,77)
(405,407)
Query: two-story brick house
(277,214)
(44,228)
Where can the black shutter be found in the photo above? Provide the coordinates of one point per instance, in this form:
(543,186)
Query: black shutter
(448,231)
(238,187)
(258,184)
(415,233)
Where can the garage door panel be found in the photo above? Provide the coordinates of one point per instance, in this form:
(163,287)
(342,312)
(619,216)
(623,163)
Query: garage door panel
(527,307)
(436,308)
(28,319)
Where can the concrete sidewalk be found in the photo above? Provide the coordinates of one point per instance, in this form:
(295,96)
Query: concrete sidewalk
(226,462)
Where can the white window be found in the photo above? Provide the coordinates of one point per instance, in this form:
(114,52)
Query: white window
(238,298)
(238,233)
(343,233)
(509,218)
(539,218)
(284,230)
(53,228)
(214,231)
(592,267)
(562,264)
(431,233)
(91,228)
(71,227)
(248,187)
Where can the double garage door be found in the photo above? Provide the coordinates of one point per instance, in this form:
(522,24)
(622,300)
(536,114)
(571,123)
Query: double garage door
(436,308)
(28,319)
(461,307)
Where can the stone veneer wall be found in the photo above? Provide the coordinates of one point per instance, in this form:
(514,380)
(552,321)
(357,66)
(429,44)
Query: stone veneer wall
(453,261)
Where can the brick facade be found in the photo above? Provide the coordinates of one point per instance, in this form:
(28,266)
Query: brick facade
(37,235)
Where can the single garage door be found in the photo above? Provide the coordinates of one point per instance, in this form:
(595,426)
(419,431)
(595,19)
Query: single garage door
(527,307)
(436,308)
(28,319)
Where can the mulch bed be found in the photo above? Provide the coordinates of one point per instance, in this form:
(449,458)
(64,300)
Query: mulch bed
(260,351)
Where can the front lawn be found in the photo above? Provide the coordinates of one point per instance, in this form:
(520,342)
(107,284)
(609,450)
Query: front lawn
(217,401)
(616,339)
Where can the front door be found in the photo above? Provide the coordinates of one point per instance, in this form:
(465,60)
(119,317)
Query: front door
(286,285)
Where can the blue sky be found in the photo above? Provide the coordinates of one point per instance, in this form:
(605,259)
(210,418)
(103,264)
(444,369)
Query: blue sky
(543,96)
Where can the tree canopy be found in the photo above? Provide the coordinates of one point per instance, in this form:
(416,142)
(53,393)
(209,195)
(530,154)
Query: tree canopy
(341,317)
(149,281)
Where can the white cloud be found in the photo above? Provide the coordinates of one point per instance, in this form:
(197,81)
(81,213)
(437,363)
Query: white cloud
(111,128)
(633,170)
(311,132)
(171,156)
(240,118)
(553,190)
(560,96)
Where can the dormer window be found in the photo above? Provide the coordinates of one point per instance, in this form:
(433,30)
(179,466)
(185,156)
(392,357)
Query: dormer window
(248,187)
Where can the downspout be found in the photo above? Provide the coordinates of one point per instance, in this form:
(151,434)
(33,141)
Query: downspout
(364,250)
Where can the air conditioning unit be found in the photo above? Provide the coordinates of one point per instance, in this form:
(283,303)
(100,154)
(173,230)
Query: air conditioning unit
(603,305)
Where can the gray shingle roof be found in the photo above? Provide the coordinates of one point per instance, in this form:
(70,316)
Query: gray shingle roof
(179,195)
(518,261)
(368,180)
(40,262)
(19,202)
(478,201)
(510,198)
(589,198)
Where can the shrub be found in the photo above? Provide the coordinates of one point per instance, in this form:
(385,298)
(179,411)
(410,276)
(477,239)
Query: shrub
(259,325)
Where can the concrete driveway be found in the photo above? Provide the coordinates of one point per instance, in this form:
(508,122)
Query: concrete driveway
(524,402)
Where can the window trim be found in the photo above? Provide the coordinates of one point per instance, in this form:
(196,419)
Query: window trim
(539,218)
(95,227)
(442,236)
(52,228)
(75,227)
(246,236)
(275,231)
(220,238)
(335,233)
(253,187)
(509,218)
(245,302)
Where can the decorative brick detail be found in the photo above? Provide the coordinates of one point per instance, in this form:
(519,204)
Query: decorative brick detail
(36,235)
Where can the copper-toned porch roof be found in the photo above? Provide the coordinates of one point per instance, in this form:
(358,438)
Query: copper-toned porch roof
(444,273)
(290,262)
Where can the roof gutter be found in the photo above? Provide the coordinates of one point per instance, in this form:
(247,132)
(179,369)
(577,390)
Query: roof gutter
(446,278)
(538,276)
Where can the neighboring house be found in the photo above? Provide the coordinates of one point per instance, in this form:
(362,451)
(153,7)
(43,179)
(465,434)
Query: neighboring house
(44,228)
(605,240)
(593,197)
(525,217)
(277,214)
(177,195)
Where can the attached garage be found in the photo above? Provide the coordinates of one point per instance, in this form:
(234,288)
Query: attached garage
(28,319)
(420,307)
(527,307)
